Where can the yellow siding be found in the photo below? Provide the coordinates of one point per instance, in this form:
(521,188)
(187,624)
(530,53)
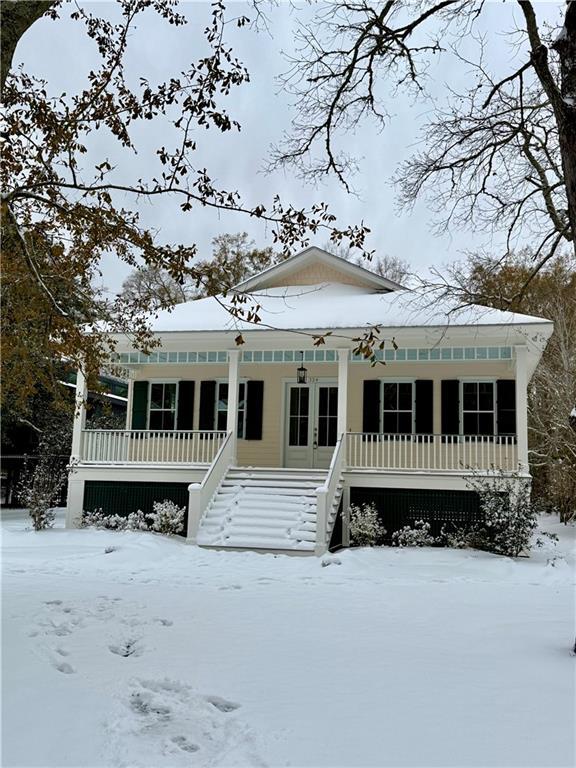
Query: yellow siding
(315,274)
(268,451)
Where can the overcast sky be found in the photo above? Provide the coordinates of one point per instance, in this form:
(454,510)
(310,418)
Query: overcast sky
(62,54)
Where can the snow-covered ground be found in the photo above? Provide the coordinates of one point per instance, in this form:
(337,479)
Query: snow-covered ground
(136,650)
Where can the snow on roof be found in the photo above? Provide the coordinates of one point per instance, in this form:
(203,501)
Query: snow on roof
(331,306)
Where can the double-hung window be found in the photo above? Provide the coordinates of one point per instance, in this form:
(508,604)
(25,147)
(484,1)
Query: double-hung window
(222,407)
(478,408)
(398,407)
(163,399)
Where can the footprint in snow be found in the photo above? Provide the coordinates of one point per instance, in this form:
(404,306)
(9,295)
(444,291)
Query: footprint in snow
(127,648)
(64,667)
(53,602)
(62,651)
(183,743)
(223,705)
(165,622)
(231,586)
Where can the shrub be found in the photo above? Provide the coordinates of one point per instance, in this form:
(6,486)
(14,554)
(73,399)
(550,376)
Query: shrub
(417,536)
(509,515)
(166,518)
(365,527)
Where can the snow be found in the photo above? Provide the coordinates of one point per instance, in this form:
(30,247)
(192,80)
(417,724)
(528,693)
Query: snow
(333,305)
(132,649)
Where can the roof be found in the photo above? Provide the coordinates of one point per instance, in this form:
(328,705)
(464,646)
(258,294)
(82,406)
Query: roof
(331,306)
(313,255)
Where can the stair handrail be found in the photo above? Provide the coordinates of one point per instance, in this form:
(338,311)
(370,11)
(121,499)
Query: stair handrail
(199,494)
(326,494)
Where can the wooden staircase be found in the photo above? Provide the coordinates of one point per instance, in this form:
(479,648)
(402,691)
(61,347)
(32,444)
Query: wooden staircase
(266,509)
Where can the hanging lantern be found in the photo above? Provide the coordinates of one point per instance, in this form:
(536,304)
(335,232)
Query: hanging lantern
(302,372)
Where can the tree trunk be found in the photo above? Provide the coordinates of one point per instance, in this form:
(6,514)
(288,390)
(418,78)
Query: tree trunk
(16,17)
(565,46)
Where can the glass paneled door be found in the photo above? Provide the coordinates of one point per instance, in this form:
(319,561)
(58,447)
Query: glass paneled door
(310,432)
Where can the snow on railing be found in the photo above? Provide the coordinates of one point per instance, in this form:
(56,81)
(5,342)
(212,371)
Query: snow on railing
(432,452)
(326,495)
(200,494)
(146,446)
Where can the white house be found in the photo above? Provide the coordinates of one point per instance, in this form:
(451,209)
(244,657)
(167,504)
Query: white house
(267,441)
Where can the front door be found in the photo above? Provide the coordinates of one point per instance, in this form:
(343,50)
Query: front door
(310,433)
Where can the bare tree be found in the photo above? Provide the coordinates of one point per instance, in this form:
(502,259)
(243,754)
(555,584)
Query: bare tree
(155,287)
(503,155)
(392,267)
(552,393)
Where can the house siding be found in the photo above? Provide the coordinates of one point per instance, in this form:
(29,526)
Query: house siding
(268,452)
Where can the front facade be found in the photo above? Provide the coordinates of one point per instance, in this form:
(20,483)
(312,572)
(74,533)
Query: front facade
(266,442)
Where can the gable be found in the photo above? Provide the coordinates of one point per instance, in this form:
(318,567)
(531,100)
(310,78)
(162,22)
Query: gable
(314,266)
(316,274)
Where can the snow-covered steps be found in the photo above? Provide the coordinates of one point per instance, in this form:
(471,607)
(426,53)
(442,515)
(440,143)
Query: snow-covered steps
(265,508)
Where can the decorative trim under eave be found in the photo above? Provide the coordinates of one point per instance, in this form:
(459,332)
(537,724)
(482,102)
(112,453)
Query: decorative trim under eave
(402,354)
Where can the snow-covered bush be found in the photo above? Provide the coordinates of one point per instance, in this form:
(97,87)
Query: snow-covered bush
(167,517)
(417,536)
(41,484)
(97,519)
(457,538)
(365,527)
(509,517)
(40,489)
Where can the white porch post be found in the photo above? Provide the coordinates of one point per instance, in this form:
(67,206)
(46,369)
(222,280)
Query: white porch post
(232,413)
(79,414)
(75,496)
(342,423)
(522,407)
(129,403)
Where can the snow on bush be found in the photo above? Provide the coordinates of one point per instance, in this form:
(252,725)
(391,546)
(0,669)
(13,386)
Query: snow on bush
(166,518)
(417,536)
(510,518)
(40,490)
(365,527)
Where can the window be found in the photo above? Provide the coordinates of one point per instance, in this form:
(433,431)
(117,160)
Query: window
(398,407)
(163,398)
(222,407)
(478,407)
(299,414)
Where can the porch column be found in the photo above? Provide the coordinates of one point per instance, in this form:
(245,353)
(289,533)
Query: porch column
(79,414)
(129,403)
(522,407)
(232,413)
(342,423)
(75,498)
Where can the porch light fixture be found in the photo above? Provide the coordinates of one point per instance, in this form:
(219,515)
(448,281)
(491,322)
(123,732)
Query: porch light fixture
(302,372)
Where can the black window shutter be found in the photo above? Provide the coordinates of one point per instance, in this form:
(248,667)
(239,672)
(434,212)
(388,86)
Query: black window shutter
(450,407)
(185,414)
(207,405)
(371,406)
(254,409)
(506,406)
(140,405)
(424,406)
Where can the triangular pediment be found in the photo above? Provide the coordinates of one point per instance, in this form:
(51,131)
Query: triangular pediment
(315,266)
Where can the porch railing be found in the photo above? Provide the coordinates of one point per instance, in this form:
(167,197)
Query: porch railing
(432,452)
(112,446)
(326,496)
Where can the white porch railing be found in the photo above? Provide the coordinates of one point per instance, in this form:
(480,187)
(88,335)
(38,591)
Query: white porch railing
(326,495)
(116,446)
(432,452)
(199,494)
